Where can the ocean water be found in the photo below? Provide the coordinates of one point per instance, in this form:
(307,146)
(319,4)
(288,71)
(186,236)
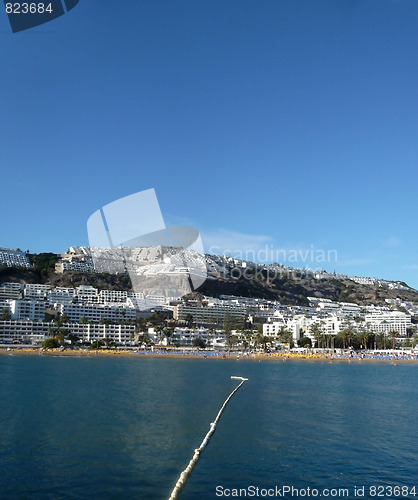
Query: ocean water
(122,428)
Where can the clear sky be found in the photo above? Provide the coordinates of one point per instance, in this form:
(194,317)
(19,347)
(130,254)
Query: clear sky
(279,123)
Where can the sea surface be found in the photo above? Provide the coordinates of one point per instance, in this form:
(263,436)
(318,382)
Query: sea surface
(122,428)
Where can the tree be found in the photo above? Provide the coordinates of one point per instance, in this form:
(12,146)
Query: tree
(189,320)
(330,341)
(59,337)
(6,316)
(393,335)
(247,339)
(140,324)
(227,326)
(74,339)
(159,329)
(200,343)
(304,342)
(231,341)
(262,340)
(61,319)
(145,339)
(363,338)
(168,332)
(97,344)
(342,338)
(50,343)
(285,336)
(317,332)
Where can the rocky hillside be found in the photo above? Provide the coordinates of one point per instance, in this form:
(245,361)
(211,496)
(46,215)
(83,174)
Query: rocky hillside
(296,290)
(289,289)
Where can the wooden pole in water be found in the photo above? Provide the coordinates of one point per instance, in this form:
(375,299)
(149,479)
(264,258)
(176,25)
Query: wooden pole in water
(187,471)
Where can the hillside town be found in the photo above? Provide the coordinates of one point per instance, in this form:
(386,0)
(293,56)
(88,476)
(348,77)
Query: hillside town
(86,315)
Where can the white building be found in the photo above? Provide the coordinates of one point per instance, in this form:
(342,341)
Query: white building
(273,329)
(14,258)
(27,309)
(11,291)
(61,295)
(349,308)
(81,267)
(213,312)
(36,291)
(112,296)
(23,331)
(87,294)
(121,334)
(91,312)
(185,336)
(388,322)
(328,306)
(364,281)
(136,301)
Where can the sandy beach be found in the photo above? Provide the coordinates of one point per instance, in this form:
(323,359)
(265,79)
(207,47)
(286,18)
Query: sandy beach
(157,353)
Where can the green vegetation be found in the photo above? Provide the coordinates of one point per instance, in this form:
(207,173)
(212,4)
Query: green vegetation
(44,264)
(200,343)
(304,342)
(5,315)
(51,343)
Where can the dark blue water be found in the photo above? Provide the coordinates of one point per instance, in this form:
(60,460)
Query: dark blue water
(125,428)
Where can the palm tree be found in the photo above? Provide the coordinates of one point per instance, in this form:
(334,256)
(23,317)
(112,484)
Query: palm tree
(231,340)
(393,335)
(380,340)
(168,332)
(283,334)
(159,329)
(330,341)
(317,332)
(260,339)
(363,338)
(384,334)
(343,336)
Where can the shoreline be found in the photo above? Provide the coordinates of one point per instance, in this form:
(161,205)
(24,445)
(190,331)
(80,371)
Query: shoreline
(316,357)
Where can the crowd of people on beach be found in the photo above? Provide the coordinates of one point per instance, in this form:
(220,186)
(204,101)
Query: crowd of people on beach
(199,353)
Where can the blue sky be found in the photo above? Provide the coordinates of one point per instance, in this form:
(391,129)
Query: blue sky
(291,124)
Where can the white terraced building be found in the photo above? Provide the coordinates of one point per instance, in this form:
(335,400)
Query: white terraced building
(121,334)
(86,266)
(273,329)
(28,309)
(11,291)
(75,312)
(87,294)
(14,258)
(23,331)
(394,321)
(185,336)
(112,296)
(36,291)
(213,312)
(61,295)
